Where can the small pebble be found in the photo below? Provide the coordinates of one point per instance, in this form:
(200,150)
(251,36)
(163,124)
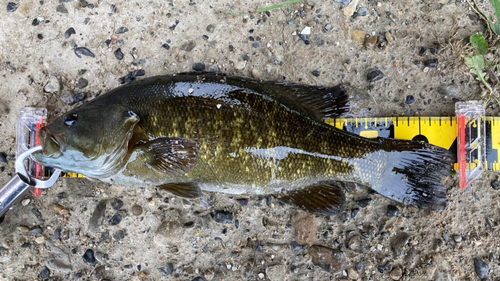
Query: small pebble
(40,240)
(118,54)
(363,203)
(11,7)
(422,51)
(457,238)
(213,68)
(481,267)
(116,203)
(296,247)
(240,65)
(304,227)
(82,83)
(79,51)
(354,212)
(431,63)
(306,30)
(396,273)
(136,210)
(327,27)
(166,46)
(25,202)
(211,28)
(255,45)
(450,90)
(115,219)
(494,184)
(392,211)
(61,9)
(44,273)
(80,97)
(223,217)
(315,73)
(328,259)
(199,66)
(433,50)
(39,36)
(89,257)
(121,30)
(3,158)
(35,22)
(204,37)
(52,85)
(362,12)
(255,73)
(374,75)
(36,230)
(410,99)
(140,72)
(304,38)
(69,32)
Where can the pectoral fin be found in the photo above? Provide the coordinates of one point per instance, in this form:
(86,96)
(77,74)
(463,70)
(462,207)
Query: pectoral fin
(172,156)
(322,198)
(184,189)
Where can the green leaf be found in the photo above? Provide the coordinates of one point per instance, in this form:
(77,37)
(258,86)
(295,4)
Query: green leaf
(496,27)
(476,65)
(479,44)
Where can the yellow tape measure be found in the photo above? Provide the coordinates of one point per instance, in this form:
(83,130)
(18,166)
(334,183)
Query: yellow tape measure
(439,131)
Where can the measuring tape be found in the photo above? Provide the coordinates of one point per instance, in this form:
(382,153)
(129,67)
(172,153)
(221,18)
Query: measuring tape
(474,137)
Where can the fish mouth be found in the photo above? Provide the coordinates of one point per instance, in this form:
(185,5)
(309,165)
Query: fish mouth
(52,146)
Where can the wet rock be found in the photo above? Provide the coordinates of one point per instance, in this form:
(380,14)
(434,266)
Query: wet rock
(398,242)
(11,7)
(166,46)
(167,270)
(35,22)
(431,63)
(188,46)
(392,211)
(304,226)
(211,28)
(199,66)
(82,51)
(3,158)
(118,54)
(410,99)
(457,238)
(315,73)
(374,75)
(481,267)
(354,212)
(52,85)
(89,257)
(328,259)
(61,9)
(58,258)
(276,273)
(115,219)
(136,210)
(116,203)
(121,30)
(69,32)
(204,37)
(223,217)
(396,273)
(362,12)
(167,232)
(98,216)
(82,83)
(44,273)
(450,90)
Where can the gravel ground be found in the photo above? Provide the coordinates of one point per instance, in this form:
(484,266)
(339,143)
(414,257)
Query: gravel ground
(58,55)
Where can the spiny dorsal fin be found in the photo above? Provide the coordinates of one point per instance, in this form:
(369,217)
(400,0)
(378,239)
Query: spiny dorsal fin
(321,198)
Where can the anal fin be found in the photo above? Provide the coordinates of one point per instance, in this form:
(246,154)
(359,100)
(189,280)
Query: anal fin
(183,189)
(321,198)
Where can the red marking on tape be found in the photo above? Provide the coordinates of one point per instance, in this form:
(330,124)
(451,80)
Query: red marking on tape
(38,168)
(461,151)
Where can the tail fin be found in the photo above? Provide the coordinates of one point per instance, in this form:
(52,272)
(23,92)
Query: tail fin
(415,173)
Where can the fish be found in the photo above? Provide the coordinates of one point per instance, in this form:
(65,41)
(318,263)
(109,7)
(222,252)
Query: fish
(194,132)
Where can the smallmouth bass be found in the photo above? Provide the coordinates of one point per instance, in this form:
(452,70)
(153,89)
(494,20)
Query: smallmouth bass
(193,132)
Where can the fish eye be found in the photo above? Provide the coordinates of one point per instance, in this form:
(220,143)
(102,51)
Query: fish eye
(70,120)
